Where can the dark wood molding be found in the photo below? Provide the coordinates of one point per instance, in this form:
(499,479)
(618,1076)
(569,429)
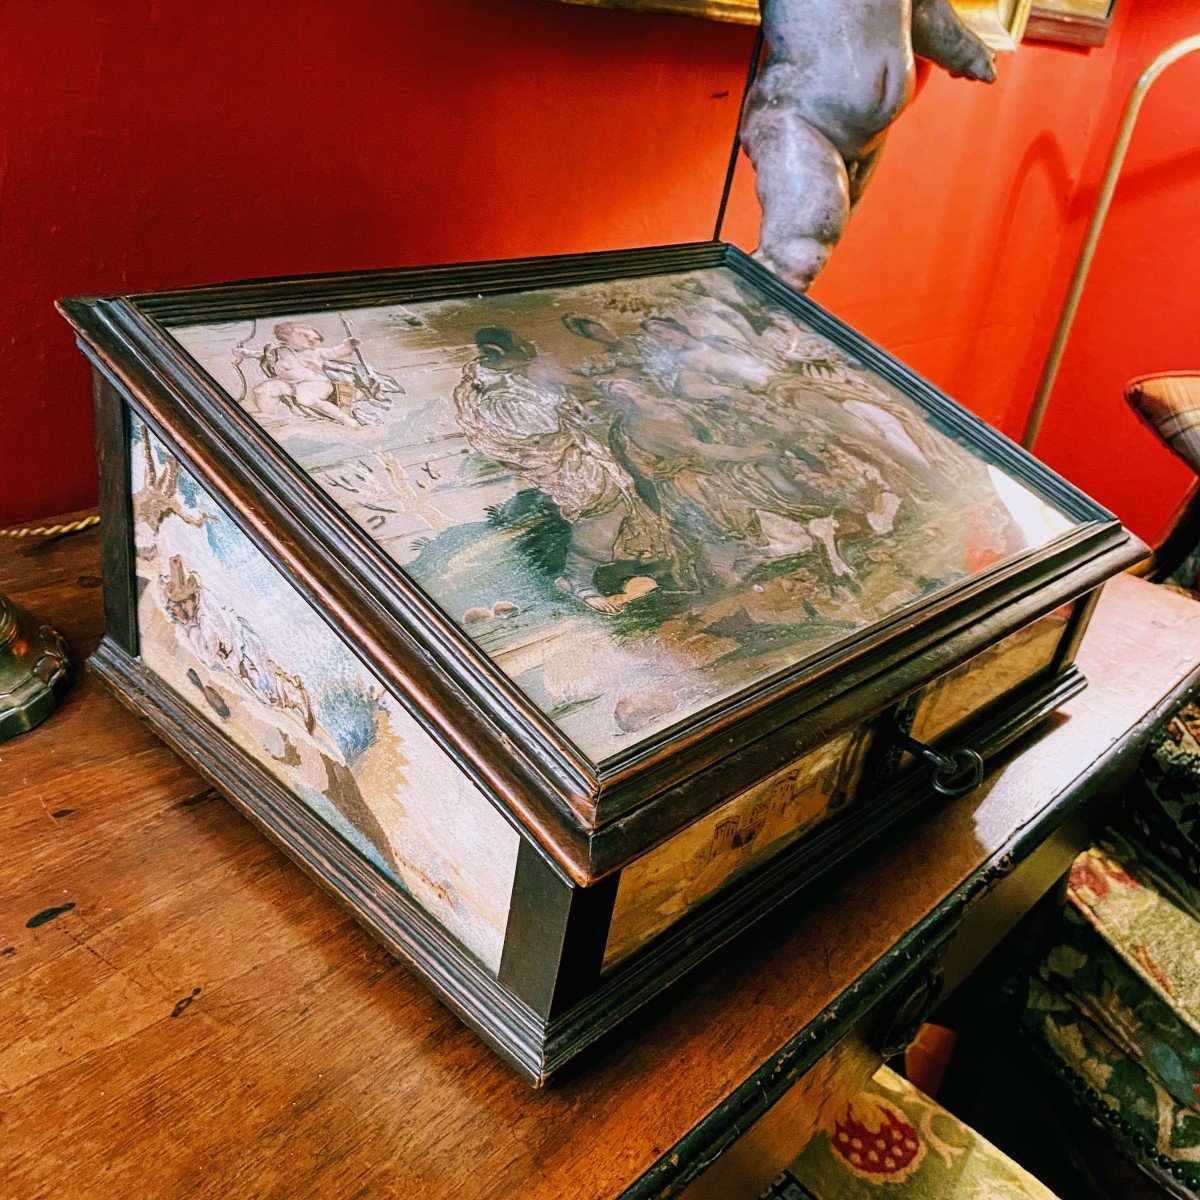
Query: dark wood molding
(113,460)
(589,820)
(554,944)
(1077,626)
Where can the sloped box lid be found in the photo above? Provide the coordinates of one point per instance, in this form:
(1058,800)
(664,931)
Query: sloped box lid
(627,531)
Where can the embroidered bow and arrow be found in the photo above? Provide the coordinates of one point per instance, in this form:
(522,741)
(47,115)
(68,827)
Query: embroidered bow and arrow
(237,361)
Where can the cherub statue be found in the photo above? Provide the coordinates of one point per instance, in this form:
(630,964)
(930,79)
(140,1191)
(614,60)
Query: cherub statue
(837,74)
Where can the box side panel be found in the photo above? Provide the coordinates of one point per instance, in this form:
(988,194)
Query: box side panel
(983,681)
(664,886)
(223,629)
(661,887)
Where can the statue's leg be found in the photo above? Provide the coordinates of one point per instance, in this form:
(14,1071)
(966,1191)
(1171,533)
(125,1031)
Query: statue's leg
(803,188)
(940,36)
(860,172)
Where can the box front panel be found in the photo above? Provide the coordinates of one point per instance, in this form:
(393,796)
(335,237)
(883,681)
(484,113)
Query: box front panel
(663,886)
(221,627)
(983,680)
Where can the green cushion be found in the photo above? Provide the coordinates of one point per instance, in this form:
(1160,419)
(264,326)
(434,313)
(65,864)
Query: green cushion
(893,1141)
(1116,1003)
(1125,959)
(1136,1110)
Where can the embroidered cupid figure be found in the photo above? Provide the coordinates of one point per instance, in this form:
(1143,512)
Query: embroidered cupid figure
(307,378)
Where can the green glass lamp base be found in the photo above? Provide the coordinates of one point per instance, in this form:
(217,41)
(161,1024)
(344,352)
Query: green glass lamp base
(35,670)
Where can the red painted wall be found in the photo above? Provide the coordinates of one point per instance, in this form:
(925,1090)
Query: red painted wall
(148,144)
(960,254)
(1141,310)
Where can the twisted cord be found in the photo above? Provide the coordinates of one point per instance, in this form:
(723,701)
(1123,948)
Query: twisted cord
(51,530)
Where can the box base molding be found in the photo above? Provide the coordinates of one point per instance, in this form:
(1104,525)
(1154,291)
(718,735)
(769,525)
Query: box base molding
(537,1047)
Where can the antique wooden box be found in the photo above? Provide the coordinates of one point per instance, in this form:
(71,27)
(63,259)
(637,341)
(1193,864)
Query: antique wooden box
(565,616)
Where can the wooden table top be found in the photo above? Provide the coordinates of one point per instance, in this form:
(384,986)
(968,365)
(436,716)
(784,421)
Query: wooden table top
(183,1013)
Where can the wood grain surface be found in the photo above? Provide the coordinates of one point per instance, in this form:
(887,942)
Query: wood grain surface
(183,1014)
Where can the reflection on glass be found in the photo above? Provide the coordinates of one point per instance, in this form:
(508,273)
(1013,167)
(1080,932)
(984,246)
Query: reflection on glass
(639,497)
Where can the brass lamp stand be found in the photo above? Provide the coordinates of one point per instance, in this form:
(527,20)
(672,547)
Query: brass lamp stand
(35,664)
(35,669)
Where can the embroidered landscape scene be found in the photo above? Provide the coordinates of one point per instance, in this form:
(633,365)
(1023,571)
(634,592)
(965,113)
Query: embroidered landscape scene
(638,497)
(224,630)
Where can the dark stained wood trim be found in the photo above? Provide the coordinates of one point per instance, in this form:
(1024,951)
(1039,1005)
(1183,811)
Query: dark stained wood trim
(587,935)
(364,289)
(113,455)
(536,932)
(1081,618)
(589,820)
(1059,664)
(554,944)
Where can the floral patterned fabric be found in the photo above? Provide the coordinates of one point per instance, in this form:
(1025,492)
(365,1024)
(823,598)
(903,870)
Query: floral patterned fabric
(1170,823)
(1116,1002)
(1131,1102)
(1125,959)
(891,1140)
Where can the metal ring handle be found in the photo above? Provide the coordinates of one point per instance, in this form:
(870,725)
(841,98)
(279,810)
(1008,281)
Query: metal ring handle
(955,773)
(959,772)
